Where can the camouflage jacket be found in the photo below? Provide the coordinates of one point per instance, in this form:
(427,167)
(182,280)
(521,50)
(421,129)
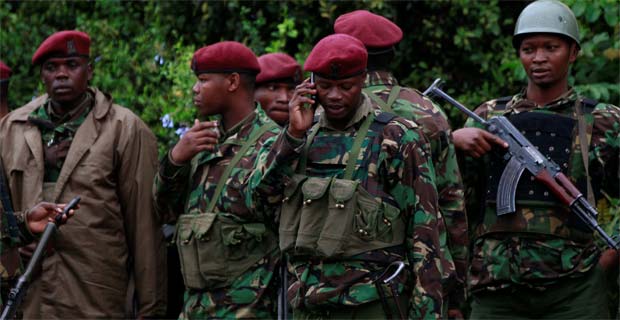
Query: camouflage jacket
(412,105)
(394,166)
(535,260)
(187,189)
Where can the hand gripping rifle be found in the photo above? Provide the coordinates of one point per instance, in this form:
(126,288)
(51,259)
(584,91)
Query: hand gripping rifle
(523,155)
(17,294)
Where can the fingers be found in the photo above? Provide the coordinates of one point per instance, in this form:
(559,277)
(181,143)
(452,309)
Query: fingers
(493,139)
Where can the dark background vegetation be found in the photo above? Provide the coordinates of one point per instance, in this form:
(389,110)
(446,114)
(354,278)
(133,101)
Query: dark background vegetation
(141,50)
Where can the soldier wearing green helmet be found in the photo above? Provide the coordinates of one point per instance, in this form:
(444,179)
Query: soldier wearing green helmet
(540,261)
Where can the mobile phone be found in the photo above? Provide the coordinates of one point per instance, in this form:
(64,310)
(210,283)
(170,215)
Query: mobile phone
(72,204)
(313,97)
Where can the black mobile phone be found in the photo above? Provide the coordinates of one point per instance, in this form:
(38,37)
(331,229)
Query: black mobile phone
(72,204)
(313,97)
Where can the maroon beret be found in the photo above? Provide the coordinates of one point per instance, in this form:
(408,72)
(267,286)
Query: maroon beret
(337,56)
(225,57)
(5,71)
(278,66)
(373,30)
(63,44)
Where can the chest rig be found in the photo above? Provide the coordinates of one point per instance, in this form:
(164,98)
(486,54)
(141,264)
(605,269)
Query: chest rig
(217,247)
(554,135)
(328,217)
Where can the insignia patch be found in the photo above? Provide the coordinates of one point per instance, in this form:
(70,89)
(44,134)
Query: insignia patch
(71,47)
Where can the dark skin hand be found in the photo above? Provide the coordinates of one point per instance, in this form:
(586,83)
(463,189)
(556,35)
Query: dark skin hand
(300,110)
(609,260)
(476,142)
(45,212)
(202,136)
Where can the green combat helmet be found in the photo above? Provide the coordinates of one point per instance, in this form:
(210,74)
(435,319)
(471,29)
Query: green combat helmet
(546,16)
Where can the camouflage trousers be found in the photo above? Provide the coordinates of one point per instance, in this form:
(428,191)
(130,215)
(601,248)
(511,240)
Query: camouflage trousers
(371,310)
(570,298)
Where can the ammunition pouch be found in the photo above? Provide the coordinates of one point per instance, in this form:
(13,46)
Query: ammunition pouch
(335,218)
(215,249)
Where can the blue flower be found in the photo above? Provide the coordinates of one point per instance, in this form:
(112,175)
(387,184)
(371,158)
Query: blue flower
(166,121)
(181,131)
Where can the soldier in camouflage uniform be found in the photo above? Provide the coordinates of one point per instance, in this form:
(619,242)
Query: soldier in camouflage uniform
(380,35)
(357,193)
(542,261)
(228,251)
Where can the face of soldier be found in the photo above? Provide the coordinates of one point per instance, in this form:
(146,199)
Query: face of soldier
(66,79)
(546,59)
(340,98)
(209,91)
(273,98)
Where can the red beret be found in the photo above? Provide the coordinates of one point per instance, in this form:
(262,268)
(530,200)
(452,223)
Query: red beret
(225,57)
(5,71)
(373,30)
(337,56)
(278,66)
(63,44)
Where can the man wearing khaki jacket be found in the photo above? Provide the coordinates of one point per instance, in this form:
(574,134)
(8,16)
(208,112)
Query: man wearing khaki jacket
(75,141)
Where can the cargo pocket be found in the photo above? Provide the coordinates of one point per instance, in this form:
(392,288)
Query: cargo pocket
(210,250)
(188,254)
(290,212)
(367,214)
(312,214)
(339,219)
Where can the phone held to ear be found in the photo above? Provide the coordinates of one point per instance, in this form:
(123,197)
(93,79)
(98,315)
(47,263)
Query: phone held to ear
(313,97)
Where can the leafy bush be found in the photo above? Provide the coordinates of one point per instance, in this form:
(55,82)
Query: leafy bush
(141,50)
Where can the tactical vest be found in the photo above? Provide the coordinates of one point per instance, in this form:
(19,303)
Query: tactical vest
(215,248)
(553,135)
(334,218)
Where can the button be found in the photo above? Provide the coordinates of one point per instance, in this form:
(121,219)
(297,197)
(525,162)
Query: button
(546,194)
(531,192)
(567,150)
(537,133)
(551,148)
(553,134)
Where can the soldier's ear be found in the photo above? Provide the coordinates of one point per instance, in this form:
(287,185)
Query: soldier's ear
(573,52)
(233,81)
(90,71)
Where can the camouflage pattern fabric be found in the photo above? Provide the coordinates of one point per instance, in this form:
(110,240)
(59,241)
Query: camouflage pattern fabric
(503,259)
(394,166)
(252,295)
(182,190)
(57,132)
(412,105)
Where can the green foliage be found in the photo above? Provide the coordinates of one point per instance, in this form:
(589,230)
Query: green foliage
(141,50)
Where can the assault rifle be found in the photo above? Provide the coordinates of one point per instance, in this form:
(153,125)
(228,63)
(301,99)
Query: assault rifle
(522,155)
(17,294)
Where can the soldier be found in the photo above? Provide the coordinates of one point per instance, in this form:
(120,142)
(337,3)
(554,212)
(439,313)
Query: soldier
(380,36)
(541,261)
(75,141)
(357,192)
(5,75)
(228,251)
(279,75)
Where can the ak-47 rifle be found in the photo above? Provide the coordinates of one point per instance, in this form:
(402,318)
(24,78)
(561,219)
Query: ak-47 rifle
(17,294)
(522,155)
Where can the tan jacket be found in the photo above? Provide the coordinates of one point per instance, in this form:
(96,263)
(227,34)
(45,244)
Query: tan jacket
(111,165)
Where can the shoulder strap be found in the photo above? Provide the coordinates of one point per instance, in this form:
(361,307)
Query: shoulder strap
(301,168)
(385,106)
(362,133)
(244,148)
(584,143)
